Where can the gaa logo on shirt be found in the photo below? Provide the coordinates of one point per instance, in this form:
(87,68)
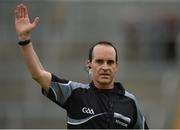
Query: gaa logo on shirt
(88,110)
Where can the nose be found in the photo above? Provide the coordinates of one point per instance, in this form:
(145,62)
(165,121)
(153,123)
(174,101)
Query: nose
(105,66)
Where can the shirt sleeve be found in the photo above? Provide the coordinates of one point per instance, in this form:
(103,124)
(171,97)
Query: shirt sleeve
(140,120)
(60,90)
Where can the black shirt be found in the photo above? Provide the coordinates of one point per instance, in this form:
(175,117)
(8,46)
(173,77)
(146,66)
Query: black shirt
(89,107)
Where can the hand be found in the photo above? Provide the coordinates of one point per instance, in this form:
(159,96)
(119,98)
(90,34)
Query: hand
(22,22)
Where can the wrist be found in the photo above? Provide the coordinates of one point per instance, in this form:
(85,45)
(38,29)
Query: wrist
(24,42)
(24,37)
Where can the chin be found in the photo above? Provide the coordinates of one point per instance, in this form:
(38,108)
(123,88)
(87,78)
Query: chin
(105,81)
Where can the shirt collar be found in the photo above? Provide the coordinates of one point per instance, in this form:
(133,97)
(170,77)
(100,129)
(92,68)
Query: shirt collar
(118,88)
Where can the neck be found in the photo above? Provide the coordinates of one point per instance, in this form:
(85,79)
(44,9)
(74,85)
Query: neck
(104,86)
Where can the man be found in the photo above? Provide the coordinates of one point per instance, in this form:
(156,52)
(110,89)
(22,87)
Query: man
(100,104)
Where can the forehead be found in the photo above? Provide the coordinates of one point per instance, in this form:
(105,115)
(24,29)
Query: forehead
(104,52)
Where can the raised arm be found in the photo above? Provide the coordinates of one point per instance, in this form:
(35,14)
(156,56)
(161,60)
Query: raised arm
(23,29)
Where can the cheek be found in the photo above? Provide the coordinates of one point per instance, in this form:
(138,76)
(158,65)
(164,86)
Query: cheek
(95,71)
(114,70)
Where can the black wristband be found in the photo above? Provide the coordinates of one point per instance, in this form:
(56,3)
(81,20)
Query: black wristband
(23,43)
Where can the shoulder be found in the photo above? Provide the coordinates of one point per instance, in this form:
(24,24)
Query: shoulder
(66,84)
(130,95)
(133,97)
(76,85)
(121,90)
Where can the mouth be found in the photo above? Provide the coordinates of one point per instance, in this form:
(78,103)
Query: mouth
(105,74)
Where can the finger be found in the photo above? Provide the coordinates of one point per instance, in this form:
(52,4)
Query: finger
(35,22)
(21,11)
(17,12)
(26,11)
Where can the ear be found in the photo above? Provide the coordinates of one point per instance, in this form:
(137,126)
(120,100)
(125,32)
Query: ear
(88,64)
(117,67)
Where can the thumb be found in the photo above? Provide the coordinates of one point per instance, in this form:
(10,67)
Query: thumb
(35,22)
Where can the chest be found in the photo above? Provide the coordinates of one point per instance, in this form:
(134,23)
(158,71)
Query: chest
(105,108)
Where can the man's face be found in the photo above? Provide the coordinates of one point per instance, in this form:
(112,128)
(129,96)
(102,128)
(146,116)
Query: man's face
(103,66)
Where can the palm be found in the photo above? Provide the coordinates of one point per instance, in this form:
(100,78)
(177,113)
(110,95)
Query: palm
(23,26)
(22,22)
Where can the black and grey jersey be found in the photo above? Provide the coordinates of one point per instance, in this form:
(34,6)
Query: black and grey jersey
(89,107)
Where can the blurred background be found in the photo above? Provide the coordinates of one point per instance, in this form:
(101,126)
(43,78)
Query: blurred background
(145,32)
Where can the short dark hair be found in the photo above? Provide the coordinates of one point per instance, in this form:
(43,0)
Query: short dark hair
(102,43)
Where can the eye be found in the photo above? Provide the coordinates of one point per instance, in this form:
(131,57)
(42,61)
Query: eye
(110,62)
(99,61)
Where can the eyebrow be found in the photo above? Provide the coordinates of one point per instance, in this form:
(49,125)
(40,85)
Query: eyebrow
(108,61)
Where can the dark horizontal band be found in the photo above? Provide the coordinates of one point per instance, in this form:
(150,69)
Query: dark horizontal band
(23,43)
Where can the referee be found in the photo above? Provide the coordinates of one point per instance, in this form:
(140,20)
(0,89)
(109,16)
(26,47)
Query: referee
(101,104)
